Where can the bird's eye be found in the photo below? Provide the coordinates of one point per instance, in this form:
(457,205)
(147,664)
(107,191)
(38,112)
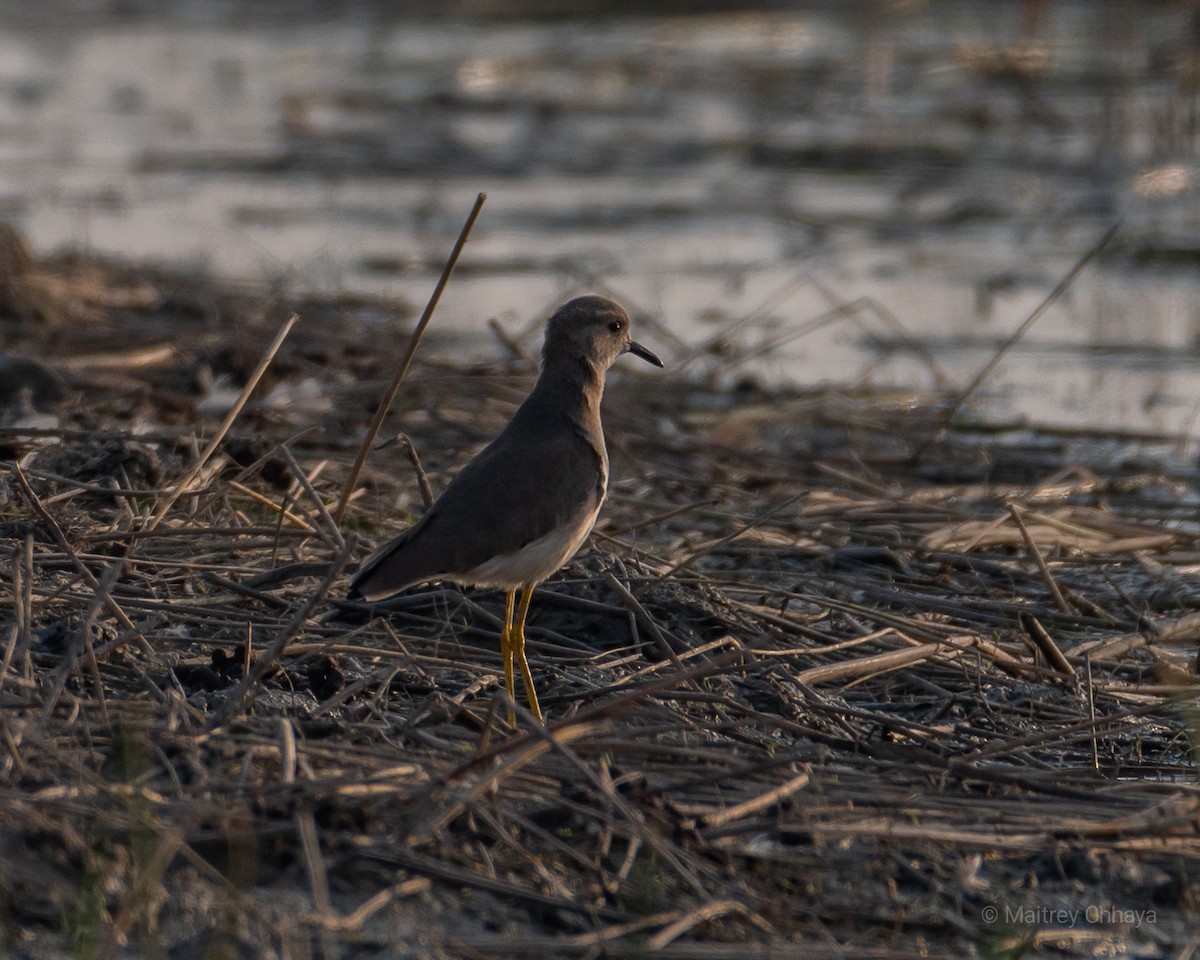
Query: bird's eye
(616,326)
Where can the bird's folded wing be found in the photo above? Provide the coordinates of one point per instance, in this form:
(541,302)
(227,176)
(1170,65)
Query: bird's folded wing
(507,497)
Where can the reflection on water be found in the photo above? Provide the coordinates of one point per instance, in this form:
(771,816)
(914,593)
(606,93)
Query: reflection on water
(736,176)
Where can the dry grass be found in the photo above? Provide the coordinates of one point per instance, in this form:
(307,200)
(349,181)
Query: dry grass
(808,695)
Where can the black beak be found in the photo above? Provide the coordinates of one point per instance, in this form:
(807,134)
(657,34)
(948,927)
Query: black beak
(639,351)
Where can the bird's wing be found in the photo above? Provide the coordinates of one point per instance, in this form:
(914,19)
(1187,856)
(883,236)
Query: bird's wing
(515,491)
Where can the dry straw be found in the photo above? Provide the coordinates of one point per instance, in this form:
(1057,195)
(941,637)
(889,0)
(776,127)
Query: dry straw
(872,699)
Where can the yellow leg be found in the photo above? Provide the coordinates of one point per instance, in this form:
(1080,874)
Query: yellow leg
(506,651)
(517,648)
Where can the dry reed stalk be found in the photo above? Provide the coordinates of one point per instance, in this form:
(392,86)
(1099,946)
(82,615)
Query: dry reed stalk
(20,634)
(282,512)
(462,797)
(318,880)
(512,345)
(644,620)
(1031,546)
(354,921)
(709,911)
(606,936)
(410,451)
(243,398)
(757,804)
(1051,298)
(329,531)
(244,691)
(110,603)
(385,404)
(1046,646)
(729,538)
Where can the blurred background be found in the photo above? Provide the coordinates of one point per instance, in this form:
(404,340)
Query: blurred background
(850,193)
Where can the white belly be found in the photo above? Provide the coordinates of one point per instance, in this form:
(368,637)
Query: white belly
(535,561)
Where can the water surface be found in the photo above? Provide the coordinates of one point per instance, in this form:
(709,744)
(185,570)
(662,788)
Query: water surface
(733,176)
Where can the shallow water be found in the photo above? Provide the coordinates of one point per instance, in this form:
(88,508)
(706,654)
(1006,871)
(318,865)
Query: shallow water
(731,176)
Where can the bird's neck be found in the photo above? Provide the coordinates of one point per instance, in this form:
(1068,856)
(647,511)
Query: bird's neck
(573,389)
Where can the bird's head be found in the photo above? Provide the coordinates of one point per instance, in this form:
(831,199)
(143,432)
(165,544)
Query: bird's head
(593,329)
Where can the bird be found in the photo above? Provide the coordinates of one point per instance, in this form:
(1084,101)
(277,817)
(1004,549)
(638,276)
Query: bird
(524,505)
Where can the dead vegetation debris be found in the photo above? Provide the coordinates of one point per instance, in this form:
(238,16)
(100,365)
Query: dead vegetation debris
(809,694)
